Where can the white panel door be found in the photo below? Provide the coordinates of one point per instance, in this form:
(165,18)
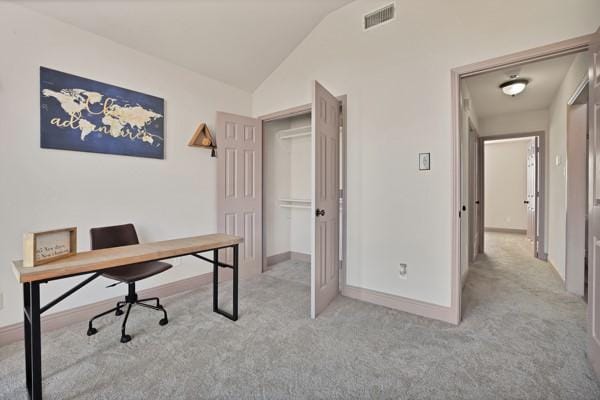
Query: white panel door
(325,199)
(594,204)
(530,201)
(239,183)
(474,201)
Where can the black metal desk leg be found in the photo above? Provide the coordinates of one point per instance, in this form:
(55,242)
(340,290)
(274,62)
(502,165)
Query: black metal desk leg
(215,280)
(36,342)
(27,335)
(216,264)
(235,281)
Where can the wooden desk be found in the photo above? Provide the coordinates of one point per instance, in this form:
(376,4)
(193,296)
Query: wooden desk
(98,261)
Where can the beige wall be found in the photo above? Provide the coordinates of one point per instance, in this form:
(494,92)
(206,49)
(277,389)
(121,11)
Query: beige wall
(521,122)
(557,134)
(44,189)
(506,184)
(397,78)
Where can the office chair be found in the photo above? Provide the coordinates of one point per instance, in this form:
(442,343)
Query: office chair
(124,235)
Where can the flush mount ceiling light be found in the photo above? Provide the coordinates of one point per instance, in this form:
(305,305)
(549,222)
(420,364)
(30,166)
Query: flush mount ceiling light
(514,86)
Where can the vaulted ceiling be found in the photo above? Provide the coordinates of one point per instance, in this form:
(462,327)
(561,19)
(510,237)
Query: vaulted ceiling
(238,42)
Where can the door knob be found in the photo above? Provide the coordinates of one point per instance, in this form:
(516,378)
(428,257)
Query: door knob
(526,202)
(477,202)
(320,213)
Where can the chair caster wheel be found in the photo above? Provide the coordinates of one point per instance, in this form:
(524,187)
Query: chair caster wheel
(163,322)
(125,338)
(92,331)
(119,312)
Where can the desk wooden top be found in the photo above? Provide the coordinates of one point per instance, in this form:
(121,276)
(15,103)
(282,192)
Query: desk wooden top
(96,260)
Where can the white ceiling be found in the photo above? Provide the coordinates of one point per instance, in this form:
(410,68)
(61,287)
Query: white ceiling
(545,78)
(239,42)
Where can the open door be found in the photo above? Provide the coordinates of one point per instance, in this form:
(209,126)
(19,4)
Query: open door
(474,193)
(530,201)
(325,199)
(594,205)
(239,187)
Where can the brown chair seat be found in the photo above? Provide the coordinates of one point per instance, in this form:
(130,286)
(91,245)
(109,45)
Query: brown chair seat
(125,235)
(136,272)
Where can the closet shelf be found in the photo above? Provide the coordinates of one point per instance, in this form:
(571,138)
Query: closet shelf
(307,201)
(295,203)
(295,132)
(294,206)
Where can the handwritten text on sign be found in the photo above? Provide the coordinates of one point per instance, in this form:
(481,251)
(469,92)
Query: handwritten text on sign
(52,245)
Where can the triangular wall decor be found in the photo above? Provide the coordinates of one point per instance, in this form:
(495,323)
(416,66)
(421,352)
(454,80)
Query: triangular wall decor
(202,137)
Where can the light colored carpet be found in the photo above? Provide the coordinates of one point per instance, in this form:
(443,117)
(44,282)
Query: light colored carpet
(522,337)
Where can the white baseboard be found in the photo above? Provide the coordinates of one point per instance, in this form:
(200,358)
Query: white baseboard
(278,258)
(505,230)
(400,303)
(14,332)
(555,270)
(288,255)
(463,277)
(300,256)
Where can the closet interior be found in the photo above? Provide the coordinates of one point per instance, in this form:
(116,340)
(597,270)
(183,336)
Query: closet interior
(287,189)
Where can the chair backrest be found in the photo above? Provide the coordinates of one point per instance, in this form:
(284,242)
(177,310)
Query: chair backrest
(113,236)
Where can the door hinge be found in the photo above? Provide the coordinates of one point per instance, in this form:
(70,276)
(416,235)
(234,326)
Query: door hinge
(341,193)
(341,264)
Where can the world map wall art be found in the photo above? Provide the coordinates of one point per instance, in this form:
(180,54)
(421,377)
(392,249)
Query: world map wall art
(84,115)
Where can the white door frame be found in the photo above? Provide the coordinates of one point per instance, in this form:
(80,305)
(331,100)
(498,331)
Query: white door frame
(300,110)
(570,46)
(577,205)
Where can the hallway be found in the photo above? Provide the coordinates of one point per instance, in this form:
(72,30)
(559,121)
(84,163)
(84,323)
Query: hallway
(519,309)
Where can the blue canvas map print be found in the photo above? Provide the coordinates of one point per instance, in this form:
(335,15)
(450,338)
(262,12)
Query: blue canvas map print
(85,115)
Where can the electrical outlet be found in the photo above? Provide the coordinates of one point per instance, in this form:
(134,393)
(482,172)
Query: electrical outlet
(403,270)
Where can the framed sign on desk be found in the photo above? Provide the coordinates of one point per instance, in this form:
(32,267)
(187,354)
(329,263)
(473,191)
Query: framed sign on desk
(43,247)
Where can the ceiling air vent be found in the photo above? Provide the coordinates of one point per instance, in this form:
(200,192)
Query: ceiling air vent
(380,16)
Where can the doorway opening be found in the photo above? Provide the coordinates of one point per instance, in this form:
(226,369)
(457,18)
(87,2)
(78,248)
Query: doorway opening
(509,182)
(462,105)
(303,182)
(512,187)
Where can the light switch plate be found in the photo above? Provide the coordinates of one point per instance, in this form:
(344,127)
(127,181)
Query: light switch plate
(403,270)
(424,161)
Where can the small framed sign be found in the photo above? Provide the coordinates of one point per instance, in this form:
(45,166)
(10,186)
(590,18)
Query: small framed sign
(43,247)
(424,161)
